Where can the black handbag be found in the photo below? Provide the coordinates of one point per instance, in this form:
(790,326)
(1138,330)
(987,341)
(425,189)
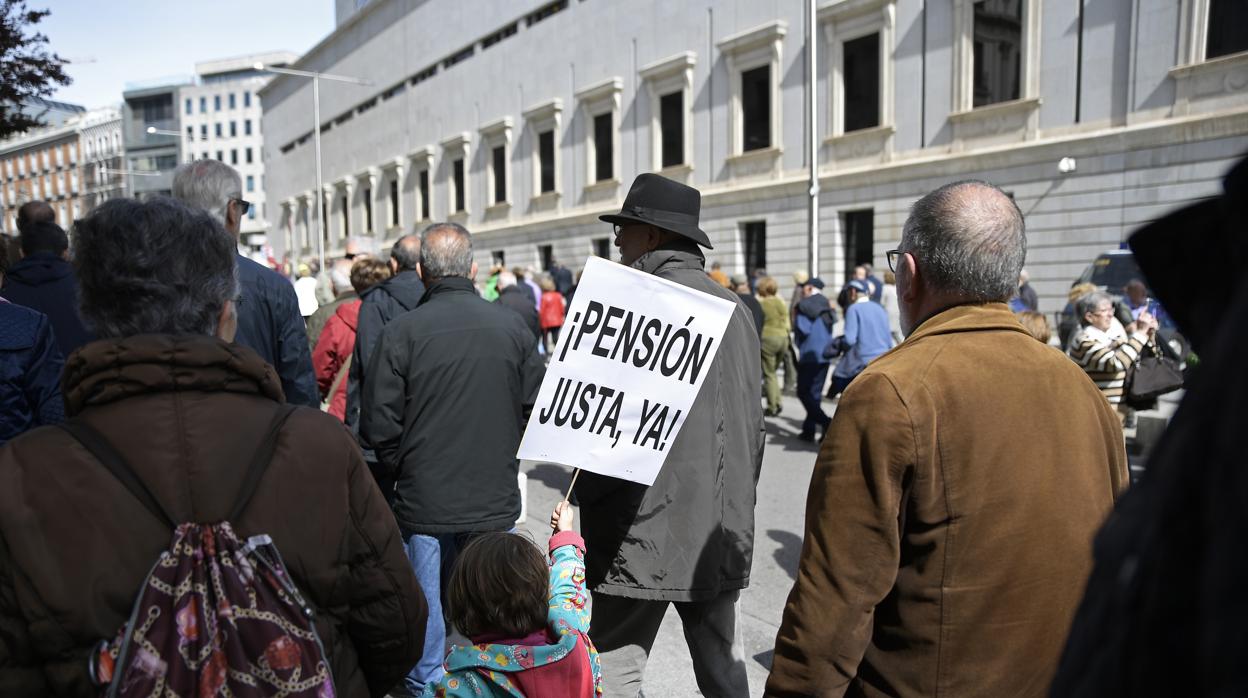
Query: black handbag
(1151,376)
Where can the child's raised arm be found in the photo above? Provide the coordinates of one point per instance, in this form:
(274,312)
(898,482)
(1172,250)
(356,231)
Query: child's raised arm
(568,602)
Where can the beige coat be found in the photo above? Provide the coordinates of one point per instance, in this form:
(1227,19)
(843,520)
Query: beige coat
(950,518)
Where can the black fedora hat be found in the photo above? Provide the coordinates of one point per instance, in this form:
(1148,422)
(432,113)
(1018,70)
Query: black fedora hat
(658,201)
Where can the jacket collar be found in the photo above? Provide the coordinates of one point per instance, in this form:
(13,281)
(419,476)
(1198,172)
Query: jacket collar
(680,254)
(509,658)
(968,317)
(448,285)
(108,370)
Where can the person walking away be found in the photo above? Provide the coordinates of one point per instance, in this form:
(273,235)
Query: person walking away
(448,391)
(514,296)
(775,341)
(30,368)
(1027,294)
(552,312)
(332,356)
(43,280)
(718,276)
(944,553)
(540,646)
(688,539)
(340,282)
(305,289)
(888,300)
(866,337)
(186,412)
(741,286)
(873,281)
(562,276)
(269,321)
(790,360)
(813,332)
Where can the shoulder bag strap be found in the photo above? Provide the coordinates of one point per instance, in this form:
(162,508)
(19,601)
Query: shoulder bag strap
(342,374)
(259,463)
(98,446)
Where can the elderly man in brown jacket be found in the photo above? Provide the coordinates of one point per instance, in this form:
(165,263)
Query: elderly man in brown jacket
(186,409)
(953,504)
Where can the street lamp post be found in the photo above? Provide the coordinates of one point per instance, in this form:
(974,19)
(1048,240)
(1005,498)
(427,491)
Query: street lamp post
(316,138)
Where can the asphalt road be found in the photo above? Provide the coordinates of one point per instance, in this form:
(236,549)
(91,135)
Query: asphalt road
(787,465)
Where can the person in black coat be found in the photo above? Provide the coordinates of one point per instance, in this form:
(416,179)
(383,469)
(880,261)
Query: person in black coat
(30,368)
(562,276)
(516,296)
(1164,613)
(447,393)
(43,280)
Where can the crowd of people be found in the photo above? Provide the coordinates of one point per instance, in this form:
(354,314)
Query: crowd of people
(371,433)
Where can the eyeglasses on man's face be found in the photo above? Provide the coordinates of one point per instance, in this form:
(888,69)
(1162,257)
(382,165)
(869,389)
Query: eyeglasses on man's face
(244,206)
(894,257)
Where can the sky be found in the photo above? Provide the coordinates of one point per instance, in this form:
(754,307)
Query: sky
(112,42)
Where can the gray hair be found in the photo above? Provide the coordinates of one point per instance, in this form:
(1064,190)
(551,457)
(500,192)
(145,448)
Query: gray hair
(969,239)
(340,275)
(445,250)
(156,266)
(505,279)
(1088,303)
(406,252)
(209,185)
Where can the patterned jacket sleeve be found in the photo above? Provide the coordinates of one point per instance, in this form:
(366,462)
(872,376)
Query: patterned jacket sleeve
(43,377)
(568,601)
(1102,357)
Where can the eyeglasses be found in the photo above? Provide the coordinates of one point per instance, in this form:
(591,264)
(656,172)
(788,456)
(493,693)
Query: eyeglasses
(243,206)
(894,256)
(616,228)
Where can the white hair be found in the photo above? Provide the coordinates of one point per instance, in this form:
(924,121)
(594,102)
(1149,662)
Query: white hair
(505,279)
(208,185)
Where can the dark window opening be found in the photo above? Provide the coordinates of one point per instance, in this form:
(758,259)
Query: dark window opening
(755,247)
(366,105)
(459,56)
(604,157)
(424,75)
(998,37)
(368,210)
(546,160)
(859,229)
(862,82)
(602,247)
(346,216)
(509,30)
(756,108)
(457,169)
(672,128)
(499,258)
(499,155)
(1228,28)
(394,91)
(394,202)
(546,253)
(545,11)
(424,195)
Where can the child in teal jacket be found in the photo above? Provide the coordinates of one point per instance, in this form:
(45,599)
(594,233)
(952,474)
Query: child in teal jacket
(527,619)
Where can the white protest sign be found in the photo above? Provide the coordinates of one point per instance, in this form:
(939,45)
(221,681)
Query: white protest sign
(630,360)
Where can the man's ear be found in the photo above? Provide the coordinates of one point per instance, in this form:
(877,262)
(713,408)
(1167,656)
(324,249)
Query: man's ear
(227,322)
(472,273)
(231,214)
(914,280)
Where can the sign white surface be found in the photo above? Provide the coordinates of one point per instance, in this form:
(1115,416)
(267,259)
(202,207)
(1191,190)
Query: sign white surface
(631,358)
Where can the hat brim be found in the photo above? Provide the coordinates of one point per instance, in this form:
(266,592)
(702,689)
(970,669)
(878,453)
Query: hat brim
(690,231)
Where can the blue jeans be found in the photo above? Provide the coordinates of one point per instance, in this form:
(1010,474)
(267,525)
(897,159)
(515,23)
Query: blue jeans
(810,378)
(432,558)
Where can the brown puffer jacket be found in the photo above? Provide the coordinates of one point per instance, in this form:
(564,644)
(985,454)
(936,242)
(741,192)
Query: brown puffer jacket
(187,413)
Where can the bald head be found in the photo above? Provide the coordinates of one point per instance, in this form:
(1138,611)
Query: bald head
(968,241)
(406,253)
(445,250)
(34,212)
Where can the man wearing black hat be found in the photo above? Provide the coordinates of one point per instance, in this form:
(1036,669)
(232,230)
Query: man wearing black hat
(687,539)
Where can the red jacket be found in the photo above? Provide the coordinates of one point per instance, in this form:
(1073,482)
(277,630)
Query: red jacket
(552,309)
(332,350)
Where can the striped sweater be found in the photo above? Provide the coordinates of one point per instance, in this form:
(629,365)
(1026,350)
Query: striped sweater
(1106,359)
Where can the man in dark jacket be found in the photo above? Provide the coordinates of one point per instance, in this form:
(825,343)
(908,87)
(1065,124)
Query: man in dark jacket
(380,305)
(562,276)
(186,410)
(30,368)
(43,280)
(268,311)
(517,297)
(446,395)
(688,539)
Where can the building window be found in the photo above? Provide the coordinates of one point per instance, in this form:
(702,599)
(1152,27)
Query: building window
(345,210)
(190,134)
(860,62)
(251,183)
(248,159)
(546,160)
(669,86)
(457,183)
(672,128)
(423,182)
(203,105)
(859,227)
(368,210)
(546,255)
(543,123)
(997,59)
(246,99)
(233,129)
(204,155)
(221,156)
(394,202)
(754,246)
(217,129)
(188,106)
(216,102)
(233,156)
(231,100)
(247,127)
(604,148)
(753,58)
(1228,28)
(498,168)
(251,213)
(756,108)
(498,258)
(203,131)
(602,247)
